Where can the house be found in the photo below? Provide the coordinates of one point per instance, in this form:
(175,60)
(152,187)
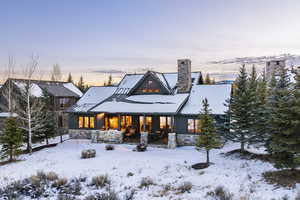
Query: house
(291,64)
(154,103)
(62,94)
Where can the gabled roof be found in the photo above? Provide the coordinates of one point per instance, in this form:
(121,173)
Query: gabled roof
(94,96)
(215,94)
(54,88)
(168,80)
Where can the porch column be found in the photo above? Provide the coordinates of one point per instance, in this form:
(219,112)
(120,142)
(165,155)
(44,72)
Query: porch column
(172,123)
(119,122)
(144,123)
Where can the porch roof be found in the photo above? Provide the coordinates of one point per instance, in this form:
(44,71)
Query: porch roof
(144,104)
(215,94)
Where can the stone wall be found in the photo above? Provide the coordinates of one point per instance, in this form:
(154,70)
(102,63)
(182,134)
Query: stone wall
(97,136)
(80,134)
(186,139)
(172,143)
(110,136)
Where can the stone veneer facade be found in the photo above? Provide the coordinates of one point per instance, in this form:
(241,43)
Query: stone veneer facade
(184,80)
(186,139)
(97,136)
(114,136)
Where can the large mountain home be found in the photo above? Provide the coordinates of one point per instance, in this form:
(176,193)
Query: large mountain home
(62,95)
(153,103)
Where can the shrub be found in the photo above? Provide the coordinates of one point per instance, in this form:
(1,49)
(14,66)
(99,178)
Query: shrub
(100,181)
(90,153)
(185,187)
(109,147)
(166,189)
(60,182)
(130,195)
(220,193)
(110,195)
(51,176)
(130,174)
(65,197)
(146,182)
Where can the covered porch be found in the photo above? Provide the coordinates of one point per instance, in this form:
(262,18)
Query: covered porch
(157,126)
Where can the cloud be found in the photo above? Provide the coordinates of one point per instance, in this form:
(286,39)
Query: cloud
(109,71)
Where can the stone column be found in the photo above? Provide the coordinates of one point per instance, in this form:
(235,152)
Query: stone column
(144,138)
(172,141)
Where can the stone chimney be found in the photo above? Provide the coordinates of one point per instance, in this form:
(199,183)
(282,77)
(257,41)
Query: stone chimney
(184,80)
(274,66)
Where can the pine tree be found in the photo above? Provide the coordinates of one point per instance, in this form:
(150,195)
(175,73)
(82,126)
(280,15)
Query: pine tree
(207,79)
(80,84)
(284,140)
(109,82)
(50,125)
(11,140)
(253,98)
(201,82)
(208,138)
(261,111)
(240,112)
(70,78)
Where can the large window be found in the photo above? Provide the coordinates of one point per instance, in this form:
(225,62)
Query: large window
(86,122)
(194,126)
(165,122)
(148,123)
(126,121)
(111,122)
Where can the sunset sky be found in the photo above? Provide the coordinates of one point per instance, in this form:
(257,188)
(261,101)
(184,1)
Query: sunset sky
(89,37)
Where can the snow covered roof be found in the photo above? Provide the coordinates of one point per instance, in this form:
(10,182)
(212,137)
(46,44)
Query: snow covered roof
(172,78)
(62,89)
(92,97)
(215,94)
(152,104)
(293,62)
(169,80)
(7,114)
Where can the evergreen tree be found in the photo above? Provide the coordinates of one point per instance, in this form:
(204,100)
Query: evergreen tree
(207,79)
(208,138)
(81,85)
(201,80)
(240,112)
(109,82)
(11,140)
(284,140)
(70,78)
(261,111)
(50,126)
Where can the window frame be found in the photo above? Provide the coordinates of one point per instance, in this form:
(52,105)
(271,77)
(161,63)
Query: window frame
(86,122)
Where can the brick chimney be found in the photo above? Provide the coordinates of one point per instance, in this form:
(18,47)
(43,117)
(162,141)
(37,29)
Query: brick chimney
(184,80)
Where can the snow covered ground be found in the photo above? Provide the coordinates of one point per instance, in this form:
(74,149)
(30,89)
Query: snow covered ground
(164,166)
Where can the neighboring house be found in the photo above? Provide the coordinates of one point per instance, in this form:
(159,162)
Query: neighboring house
(63,95)
(291,65)
(157,103)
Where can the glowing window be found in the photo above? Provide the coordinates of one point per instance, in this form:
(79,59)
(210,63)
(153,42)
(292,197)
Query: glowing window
(80,122)
(86,122)
(92,122)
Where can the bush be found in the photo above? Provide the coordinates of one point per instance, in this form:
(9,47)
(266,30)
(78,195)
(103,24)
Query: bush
(220,193)
(130,174)
(90,153)
(60,183)
(100,181)
(141,147)
(146,182)
(185,187)
(111,195)
(109,147)
(51,176)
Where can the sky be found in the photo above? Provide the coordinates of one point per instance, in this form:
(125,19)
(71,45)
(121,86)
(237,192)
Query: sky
(89,37)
